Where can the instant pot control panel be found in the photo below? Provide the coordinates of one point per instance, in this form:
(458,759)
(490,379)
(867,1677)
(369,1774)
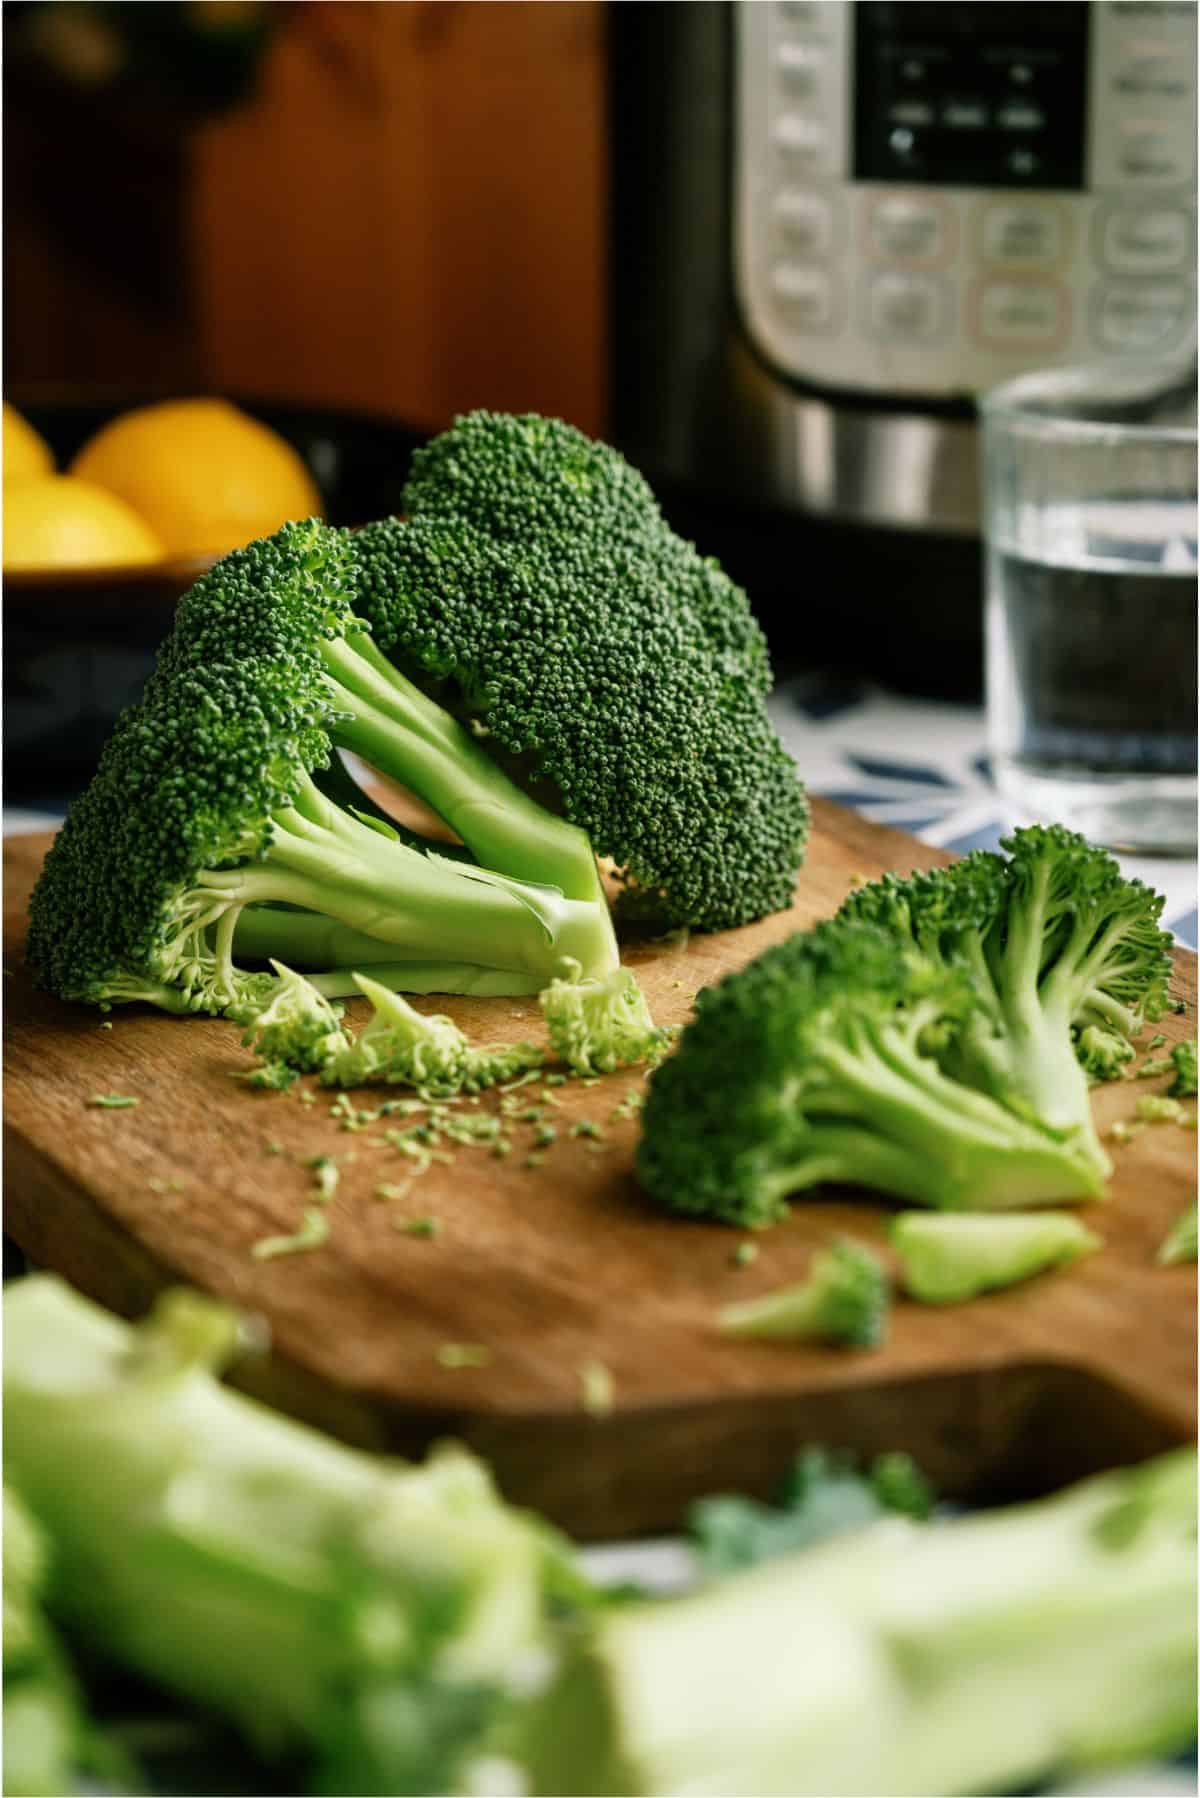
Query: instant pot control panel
(932,197)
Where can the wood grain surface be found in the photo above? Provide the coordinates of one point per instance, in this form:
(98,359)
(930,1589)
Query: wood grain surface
(557,1266)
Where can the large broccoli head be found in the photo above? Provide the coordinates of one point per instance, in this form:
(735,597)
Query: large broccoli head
(620,674)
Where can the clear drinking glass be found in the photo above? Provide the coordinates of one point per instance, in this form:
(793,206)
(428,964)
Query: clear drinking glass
(1090,520)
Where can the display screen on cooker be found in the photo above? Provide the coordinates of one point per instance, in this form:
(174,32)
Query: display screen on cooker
(985,95)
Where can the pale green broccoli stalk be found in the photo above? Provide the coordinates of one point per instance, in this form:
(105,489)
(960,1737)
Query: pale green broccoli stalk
(1179,1244)
(401,1046)
(359,1614)
(49,1740)
(982,1653)
(950,1257)
(1183,1055)
(298,1026)
(597,1026)
(1102,1053)
(844,1300)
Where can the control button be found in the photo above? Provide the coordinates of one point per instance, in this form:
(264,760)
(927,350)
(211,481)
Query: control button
(1019,115)
(801,68)
(1146,243)
(800,138)
(906,308)
(1129,317)
(803,223)
(965,115)
(1146,154)
(908,229)
(1023,162)
(1020,314)
(803,296)
(1020,74)
(1029,235)
(911,112)
(912,69)
(1154,78)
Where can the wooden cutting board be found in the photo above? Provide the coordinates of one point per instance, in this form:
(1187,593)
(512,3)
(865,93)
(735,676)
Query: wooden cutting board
(565,1264)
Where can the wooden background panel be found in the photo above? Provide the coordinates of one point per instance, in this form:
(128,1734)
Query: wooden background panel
(410,215)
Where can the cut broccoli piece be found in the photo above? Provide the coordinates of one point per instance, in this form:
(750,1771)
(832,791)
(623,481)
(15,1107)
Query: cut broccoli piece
(1183,1057)
(1102,1053)
(400,1046)
(844,1300)
(977,1654)
(1179,1244)
(822,1496)
(349,1614)
(205,814)
(820,1061)
(946,1259)
(1158,1108)
(597,1026)
(297,1026)
(49,1740)
(1056,940)
(603,659)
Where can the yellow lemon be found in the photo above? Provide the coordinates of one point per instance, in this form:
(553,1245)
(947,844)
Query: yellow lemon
(202,473)
(25,453)
(55,521)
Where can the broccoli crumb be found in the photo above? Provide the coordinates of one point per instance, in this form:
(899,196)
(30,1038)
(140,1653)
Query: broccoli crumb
(534,1160)
(554,1079)
(1124,1132)
(462,1354)
(174,1184)
(326,1175)
(389,1190)
(1155,1065)
(597,1389)
(425,1227)
(272,1147)
(1180,1242)
(1179,1007)
(1156,1042)
(112,1102)
(744,1254)
(544,1135)
(587,1127)
(107,1024)
(502,1147)
(313,1232)
(1156,1108)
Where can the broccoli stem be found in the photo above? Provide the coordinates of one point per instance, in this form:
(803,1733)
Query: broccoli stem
(411,738)
(322,860)
(308,940)
(927,1138)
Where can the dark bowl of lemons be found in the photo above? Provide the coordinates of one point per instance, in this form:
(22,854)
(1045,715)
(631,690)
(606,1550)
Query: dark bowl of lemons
(112,511)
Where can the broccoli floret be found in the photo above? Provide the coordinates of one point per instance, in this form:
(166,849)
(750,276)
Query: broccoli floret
(1102,1053)
(597,1026)
(297,1027)
(206,823)
(822,1495)
(1056,940)
(946,1259)
(602,659)
(843,1300)
(400,1046)
(819,1061)
(1183,1056)
(1179,1244)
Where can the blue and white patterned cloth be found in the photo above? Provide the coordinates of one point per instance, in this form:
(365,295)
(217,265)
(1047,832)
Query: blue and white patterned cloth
(922,766)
